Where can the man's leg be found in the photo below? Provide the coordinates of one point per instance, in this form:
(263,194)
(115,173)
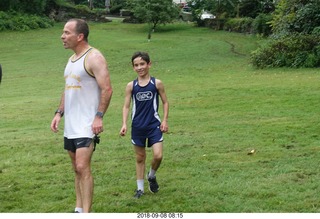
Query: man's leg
(83,169)
(76,180)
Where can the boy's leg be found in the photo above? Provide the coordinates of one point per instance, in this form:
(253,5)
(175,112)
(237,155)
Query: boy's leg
(140,161)
(140,168)
(155,164)
(157,156)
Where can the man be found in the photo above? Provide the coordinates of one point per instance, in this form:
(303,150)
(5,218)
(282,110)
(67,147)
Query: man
(146,126)
(85,99)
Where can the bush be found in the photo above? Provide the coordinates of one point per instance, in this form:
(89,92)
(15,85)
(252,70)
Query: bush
(82,9)
(242,25)
(115,9)
(23,22)
(261,24)
(292,51)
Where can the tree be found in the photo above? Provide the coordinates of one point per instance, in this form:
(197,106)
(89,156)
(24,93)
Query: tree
(154,12)
(296,16)
(295,41)
(252,8)
(220,8)
(28,7)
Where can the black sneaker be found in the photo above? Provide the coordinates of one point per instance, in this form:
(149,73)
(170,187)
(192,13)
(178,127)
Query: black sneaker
(153,185)
(138,194)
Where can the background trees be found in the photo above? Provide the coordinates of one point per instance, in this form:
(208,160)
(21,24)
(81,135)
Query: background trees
(293,26)
(296,16)
(295,39)
(154,12)
(29,7)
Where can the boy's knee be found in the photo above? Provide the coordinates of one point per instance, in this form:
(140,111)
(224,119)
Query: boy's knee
(157,157)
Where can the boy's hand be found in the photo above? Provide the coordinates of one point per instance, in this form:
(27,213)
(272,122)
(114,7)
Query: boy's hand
(123,131)
(164,126)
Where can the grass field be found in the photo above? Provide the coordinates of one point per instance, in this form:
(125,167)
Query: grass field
(220,109)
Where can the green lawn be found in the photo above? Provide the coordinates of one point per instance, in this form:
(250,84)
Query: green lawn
(220,109)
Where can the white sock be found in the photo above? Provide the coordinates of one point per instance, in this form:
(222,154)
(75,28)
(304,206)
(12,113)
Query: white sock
(140,184)
(80,210)
(152,172)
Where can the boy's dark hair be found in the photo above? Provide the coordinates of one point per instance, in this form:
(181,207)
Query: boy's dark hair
(144,56)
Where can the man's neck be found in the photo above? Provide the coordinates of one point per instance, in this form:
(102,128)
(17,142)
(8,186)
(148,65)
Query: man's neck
(80,50)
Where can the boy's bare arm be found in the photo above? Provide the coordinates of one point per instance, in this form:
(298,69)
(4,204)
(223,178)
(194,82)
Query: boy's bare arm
(164,124)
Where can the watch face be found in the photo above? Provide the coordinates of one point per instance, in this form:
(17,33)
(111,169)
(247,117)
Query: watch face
(59,111)
(100,114)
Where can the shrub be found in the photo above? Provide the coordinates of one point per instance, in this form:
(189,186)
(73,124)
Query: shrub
(316,31)
(82,9)
(242,25)
(261,24)
(23,22)
(291,51)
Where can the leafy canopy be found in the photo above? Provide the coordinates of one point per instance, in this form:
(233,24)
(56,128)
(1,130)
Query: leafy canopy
(154,12)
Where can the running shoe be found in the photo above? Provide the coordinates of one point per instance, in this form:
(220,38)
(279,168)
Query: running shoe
(153,185)
(138,194)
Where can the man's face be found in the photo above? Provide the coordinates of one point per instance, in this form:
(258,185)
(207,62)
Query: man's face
(69,36)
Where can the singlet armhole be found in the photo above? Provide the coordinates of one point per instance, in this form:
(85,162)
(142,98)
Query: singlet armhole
(84,64)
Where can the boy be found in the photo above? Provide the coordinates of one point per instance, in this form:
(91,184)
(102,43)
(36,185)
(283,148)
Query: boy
(146,124)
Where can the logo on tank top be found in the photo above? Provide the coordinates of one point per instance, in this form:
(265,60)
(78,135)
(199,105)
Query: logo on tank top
(143,96)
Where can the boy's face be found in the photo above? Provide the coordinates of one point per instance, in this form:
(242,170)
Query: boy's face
(141,66)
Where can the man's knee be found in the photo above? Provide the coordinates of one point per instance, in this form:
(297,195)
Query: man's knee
(81,168)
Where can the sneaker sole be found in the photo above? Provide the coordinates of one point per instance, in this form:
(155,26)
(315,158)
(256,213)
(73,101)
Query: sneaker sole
(154,192)
(147,177)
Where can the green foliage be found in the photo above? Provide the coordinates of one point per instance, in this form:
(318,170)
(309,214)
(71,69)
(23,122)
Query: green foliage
(295,16)
(220,109)
(242,25)
(115,9)
(295,35)
(261,24)
(154,12)
(252,8)
(235,15)
(293,51)
(233,8)
(23,22)
(82,9)
(316,31)
(30,7)
(227,8)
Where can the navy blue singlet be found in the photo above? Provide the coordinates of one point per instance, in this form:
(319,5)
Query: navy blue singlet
(145,106)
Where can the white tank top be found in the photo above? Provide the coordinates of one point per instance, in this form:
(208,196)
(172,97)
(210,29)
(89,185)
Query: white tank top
(81,99)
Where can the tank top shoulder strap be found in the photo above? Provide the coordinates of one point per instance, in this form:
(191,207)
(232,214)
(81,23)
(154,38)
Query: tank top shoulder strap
(84,62)
(153,81)
(135,82)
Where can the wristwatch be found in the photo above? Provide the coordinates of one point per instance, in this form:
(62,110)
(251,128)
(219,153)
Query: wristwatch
(99,114)
(59,111)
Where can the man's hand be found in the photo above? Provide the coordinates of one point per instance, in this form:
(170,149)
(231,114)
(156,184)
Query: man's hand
(97,125)
(55,123)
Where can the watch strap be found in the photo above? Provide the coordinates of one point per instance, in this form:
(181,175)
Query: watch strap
(59,111)
(99,114)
